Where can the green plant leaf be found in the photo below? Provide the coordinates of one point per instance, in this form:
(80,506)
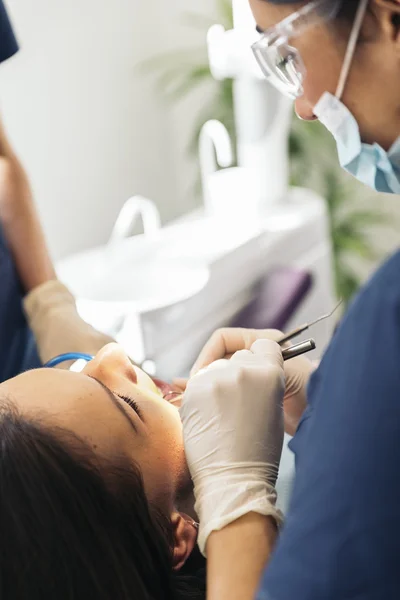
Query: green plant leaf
(365,218)
(354,244)
(189,82)
(347,284)
(296,146)
(182,58)
(225,13)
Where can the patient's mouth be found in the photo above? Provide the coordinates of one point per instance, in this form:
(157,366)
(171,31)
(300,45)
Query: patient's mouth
(165,388)
(168,391)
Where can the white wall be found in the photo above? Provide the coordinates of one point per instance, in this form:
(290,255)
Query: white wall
(89,127)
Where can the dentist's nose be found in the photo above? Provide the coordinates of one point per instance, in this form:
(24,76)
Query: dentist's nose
(304,110)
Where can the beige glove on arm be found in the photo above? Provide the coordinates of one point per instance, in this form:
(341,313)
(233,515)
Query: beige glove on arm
(233,432)
(52,315)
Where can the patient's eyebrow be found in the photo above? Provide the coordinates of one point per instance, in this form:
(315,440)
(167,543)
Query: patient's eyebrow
(115,402)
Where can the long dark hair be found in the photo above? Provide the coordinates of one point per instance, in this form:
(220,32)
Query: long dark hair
(74,527)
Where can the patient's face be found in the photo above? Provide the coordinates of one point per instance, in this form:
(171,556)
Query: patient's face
(117,410)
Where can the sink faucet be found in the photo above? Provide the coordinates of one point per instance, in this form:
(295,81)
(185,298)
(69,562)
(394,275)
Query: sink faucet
(136,207)
(214,142)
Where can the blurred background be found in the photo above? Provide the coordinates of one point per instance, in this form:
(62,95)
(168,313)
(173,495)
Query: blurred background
(106,100)
(91,128)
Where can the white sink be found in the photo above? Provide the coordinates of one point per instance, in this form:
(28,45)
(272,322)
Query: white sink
(130,277)
(146,273)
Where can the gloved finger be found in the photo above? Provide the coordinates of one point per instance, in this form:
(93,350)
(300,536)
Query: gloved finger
(248,359)
(218,346)
(214,366)
(242,356)
(268,349)
(179,384)
(227,341)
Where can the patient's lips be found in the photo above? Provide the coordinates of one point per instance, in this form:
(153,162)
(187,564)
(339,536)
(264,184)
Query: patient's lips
(165,388)
(168,392)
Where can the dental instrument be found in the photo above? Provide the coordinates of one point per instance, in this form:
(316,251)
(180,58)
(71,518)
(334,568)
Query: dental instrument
(299,330)
(298,349)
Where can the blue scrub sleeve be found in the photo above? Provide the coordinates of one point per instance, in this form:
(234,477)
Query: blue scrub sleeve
(341,540)
(17,346)
(8,43)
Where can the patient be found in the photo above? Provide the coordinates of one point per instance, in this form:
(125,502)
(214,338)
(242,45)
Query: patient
(92,472)
(94,487)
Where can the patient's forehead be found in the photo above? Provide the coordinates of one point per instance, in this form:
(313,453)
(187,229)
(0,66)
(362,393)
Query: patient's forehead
(73,401)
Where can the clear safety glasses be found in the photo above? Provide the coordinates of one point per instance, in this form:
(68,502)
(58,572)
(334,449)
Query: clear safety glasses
(279,61)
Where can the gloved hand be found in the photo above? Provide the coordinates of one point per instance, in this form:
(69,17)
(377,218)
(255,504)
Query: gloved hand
(224,342)
(52,315)
(233,431)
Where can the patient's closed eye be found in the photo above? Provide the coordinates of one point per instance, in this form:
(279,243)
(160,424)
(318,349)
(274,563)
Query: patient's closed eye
(132,403)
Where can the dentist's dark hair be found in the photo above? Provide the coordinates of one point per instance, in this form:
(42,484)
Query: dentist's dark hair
(74,527)
(346,11)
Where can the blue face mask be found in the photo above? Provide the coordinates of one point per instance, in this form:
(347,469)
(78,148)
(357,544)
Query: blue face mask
(369,163)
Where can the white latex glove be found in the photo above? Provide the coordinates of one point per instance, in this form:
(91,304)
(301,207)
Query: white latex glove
(233,430)
(224,342)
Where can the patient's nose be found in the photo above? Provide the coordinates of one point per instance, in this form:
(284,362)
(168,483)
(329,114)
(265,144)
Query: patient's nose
(111,362)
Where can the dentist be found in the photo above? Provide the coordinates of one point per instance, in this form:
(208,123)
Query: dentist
(340,62)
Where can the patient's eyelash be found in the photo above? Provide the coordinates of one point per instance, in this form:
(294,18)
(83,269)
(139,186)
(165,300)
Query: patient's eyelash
(132,403)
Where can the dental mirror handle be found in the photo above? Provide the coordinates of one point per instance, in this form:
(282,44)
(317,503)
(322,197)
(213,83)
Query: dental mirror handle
(298,349)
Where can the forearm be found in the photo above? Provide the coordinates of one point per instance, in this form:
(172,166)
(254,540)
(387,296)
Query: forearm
(28,247)
(6,149)
(237,556)
(20,221)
